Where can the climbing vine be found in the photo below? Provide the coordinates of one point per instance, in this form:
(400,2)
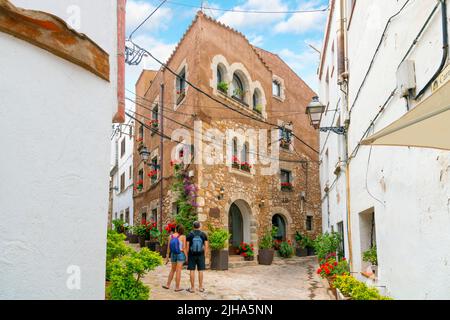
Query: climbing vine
(186,192)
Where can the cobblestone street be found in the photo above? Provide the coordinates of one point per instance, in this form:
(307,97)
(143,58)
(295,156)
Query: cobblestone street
(292,279)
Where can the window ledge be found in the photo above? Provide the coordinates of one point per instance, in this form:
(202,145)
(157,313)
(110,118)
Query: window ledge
(241,172)
(278,98)
(241,105)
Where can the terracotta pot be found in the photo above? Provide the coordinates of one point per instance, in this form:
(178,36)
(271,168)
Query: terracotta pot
(219,259)
(301,252)
(141,241)
(265,256)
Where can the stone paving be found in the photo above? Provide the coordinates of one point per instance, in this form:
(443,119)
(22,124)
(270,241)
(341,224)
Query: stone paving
(292,279)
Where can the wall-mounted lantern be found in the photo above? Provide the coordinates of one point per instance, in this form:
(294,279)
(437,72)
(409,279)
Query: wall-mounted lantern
(221,193)
(315,110)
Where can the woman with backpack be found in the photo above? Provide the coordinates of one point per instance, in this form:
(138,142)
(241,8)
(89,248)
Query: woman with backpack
(177,252)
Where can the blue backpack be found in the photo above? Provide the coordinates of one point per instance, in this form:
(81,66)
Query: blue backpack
(174,245)
(197,244)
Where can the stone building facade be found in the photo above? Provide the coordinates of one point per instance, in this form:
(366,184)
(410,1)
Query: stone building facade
(264,93)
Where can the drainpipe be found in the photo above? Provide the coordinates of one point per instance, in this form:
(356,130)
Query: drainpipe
(343,83)
(119,117)
(444,48)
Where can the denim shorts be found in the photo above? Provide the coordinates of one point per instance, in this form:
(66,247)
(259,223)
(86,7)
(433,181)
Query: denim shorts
(177,258)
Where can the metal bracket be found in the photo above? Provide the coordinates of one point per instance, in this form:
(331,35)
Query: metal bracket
(337,130)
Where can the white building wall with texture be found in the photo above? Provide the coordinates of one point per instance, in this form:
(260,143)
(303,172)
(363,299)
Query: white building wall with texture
(407,188)
(56,125)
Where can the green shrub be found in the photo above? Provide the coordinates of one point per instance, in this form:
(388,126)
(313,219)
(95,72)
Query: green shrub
(126,274)
(115,247)
(118,225)
(326,243)
(218,238)
(267,240)
(286,249)
(357,290)
(303,241)
(371,256)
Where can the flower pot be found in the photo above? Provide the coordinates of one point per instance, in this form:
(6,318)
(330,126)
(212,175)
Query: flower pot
(249,258)
(219,259)
(310,251)
(301,252)
(134,238)
(340,296)
(152,245)
(163,250)
(265,256)
(141,241)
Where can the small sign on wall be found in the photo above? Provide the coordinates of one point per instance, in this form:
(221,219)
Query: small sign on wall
(442,79)
(214,213)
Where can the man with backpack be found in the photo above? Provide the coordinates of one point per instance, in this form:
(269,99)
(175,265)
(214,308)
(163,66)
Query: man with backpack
(197,245)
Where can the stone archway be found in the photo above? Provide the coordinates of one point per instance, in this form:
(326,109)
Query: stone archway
(287,220)
(243,222)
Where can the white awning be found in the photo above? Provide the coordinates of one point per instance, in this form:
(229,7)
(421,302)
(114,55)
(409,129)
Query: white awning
(427,125)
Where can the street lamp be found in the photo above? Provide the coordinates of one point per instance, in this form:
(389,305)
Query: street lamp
(144,153)
(315,110)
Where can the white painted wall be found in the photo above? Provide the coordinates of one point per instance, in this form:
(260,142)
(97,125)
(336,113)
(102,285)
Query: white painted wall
(332,153)
(56,124)
(123,200)
(409,187)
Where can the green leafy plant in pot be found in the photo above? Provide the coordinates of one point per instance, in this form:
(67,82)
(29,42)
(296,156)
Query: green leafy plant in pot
(370,256)
(218,240)
(302,244)
(266,251)
(141,232)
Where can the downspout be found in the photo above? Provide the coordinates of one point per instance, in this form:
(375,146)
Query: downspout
(119,117)
(444,49)
(343,83)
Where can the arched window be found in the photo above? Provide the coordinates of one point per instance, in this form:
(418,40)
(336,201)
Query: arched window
(238,88)
(219,75)
(276,88)
(245,155)
(257,106)
(280,224)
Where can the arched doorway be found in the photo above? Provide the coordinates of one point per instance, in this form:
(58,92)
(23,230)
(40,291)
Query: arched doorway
(236,228)
(279,222)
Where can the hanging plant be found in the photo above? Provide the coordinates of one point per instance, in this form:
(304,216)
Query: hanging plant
(139,185)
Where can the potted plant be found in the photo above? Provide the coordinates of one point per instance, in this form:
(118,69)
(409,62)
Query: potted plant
(286,249)
(163,239)
(332,267)
(133,235)
(370,256)
(247,251)
(118,225)
(286,186)
(139,185)
(245,166)
(302,242)
(152,234)
(218,239)
(266,251)
(235,163)
(141,232)
(223,86)
(327,243)
(258,108)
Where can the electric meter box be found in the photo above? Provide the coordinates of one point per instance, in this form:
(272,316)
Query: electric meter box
(406,78)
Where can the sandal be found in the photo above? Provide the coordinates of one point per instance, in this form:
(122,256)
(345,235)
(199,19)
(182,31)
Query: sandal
(178,290)
(166,287)
(190,290)
(202,290)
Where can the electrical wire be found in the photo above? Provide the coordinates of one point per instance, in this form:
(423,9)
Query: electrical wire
(380,42)
(166,67)
(146,19)
(248,11)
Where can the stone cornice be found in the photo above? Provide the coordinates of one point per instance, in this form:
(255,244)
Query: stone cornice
(52,34)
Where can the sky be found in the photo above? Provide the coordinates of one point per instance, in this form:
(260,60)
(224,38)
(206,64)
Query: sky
(288,35)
